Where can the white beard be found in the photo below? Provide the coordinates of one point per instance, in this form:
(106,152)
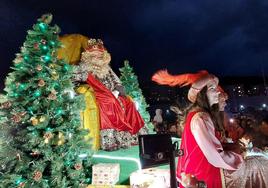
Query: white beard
(97,67)
(98,71)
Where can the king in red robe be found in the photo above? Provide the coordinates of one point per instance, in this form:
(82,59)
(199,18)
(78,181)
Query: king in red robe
(119,120)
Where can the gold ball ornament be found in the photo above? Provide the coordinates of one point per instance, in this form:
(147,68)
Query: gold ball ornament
(61,139)
(52,65)
(42,119)
(34,121)
(54,75)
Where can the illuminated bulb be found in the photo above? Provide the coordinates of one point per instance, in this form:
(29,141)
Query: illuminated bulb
(82,156)
(71,92)
(137,105)
(70,135)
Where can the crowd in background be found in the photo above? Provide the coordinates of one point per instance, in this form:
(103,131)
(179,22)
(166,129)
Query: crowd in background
(251,127)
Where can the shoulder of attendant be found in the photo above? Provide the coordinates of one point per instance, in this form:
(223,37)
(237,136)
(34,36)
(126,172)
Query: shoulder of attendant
(202,115)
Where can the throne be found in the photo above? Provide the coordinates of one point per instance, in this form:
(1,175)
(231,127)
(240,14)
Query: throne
(73,46)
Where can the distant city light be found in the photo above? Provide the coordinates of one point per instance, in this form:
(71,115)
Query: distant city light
(242,107)
(264,105)
(231,120)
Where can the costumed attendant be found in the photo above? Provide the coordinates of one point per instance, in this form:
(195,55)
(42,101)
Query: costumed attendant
(204,156)
(203,153)
(158,120)
(119,119)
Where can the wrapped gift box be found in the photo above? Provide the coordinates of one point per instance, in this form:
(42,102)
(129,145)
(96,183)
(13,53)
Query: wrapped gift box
(150,178)
(105,173)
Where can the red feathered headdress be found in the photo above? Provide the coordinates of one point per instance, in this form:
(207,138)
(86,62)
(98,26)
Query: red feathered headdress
(162,77)
(196,80)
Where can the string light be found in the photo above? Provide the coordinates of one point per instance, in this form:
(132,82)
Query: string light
(42,26)
(37,93)
(119,158)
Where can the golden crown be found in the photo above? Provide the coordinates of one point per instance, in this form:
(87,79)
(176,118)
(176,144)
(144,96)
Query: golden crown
(95,45)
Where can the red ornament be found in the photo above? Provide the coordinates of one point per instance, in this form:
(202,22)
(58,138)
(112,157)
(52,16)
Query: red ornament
(52,96)
(5,105)
(78,166)
(22,184)
(41,83)
(37,175)
(16,118)
(35,154)
(36,46)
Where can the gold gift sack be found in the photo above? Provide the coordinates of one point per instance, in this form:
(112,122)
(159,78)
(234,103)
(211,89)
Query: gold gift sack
(73,46)
(90,116)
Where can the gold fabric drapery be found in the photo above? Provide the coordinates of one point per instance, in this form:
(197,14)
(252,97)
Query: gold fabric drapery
(72,47)
(90,116)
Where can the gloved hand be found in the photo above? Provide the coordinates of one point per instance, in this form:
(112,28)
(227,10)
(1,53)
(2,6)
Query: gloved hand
(188,181)
(115,93)
(121,90)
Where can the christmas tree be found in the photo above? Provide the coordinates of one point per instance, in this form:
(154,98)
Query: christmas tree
(131,84)
(42,143)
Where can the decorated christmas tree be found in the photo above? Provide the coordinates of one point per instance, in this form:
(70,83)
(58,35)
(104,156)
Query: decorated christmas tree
(42,143)
(131,84)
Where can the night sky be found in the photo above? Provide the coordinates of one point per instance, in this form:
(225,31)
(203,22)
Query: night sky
(226,37)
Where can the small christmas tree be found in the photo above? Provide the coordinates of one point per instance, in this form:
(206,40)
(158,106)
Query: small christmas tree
(131,84)
(42,142)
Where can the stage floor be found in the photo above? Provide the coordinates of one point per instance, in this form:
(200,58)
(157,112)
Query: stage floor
(127,158)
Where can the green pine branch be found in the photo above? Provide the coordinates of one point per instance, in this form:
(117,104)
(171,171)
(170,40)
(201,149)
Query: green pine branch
(41,141)
(131,84)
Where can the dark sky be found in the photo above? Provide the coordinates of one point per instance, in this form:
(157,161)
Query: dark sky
(226,37)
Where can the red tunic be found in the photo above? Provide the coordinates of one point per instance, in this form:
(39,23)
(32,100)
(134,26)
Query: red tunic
(194,161)
(113,115)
